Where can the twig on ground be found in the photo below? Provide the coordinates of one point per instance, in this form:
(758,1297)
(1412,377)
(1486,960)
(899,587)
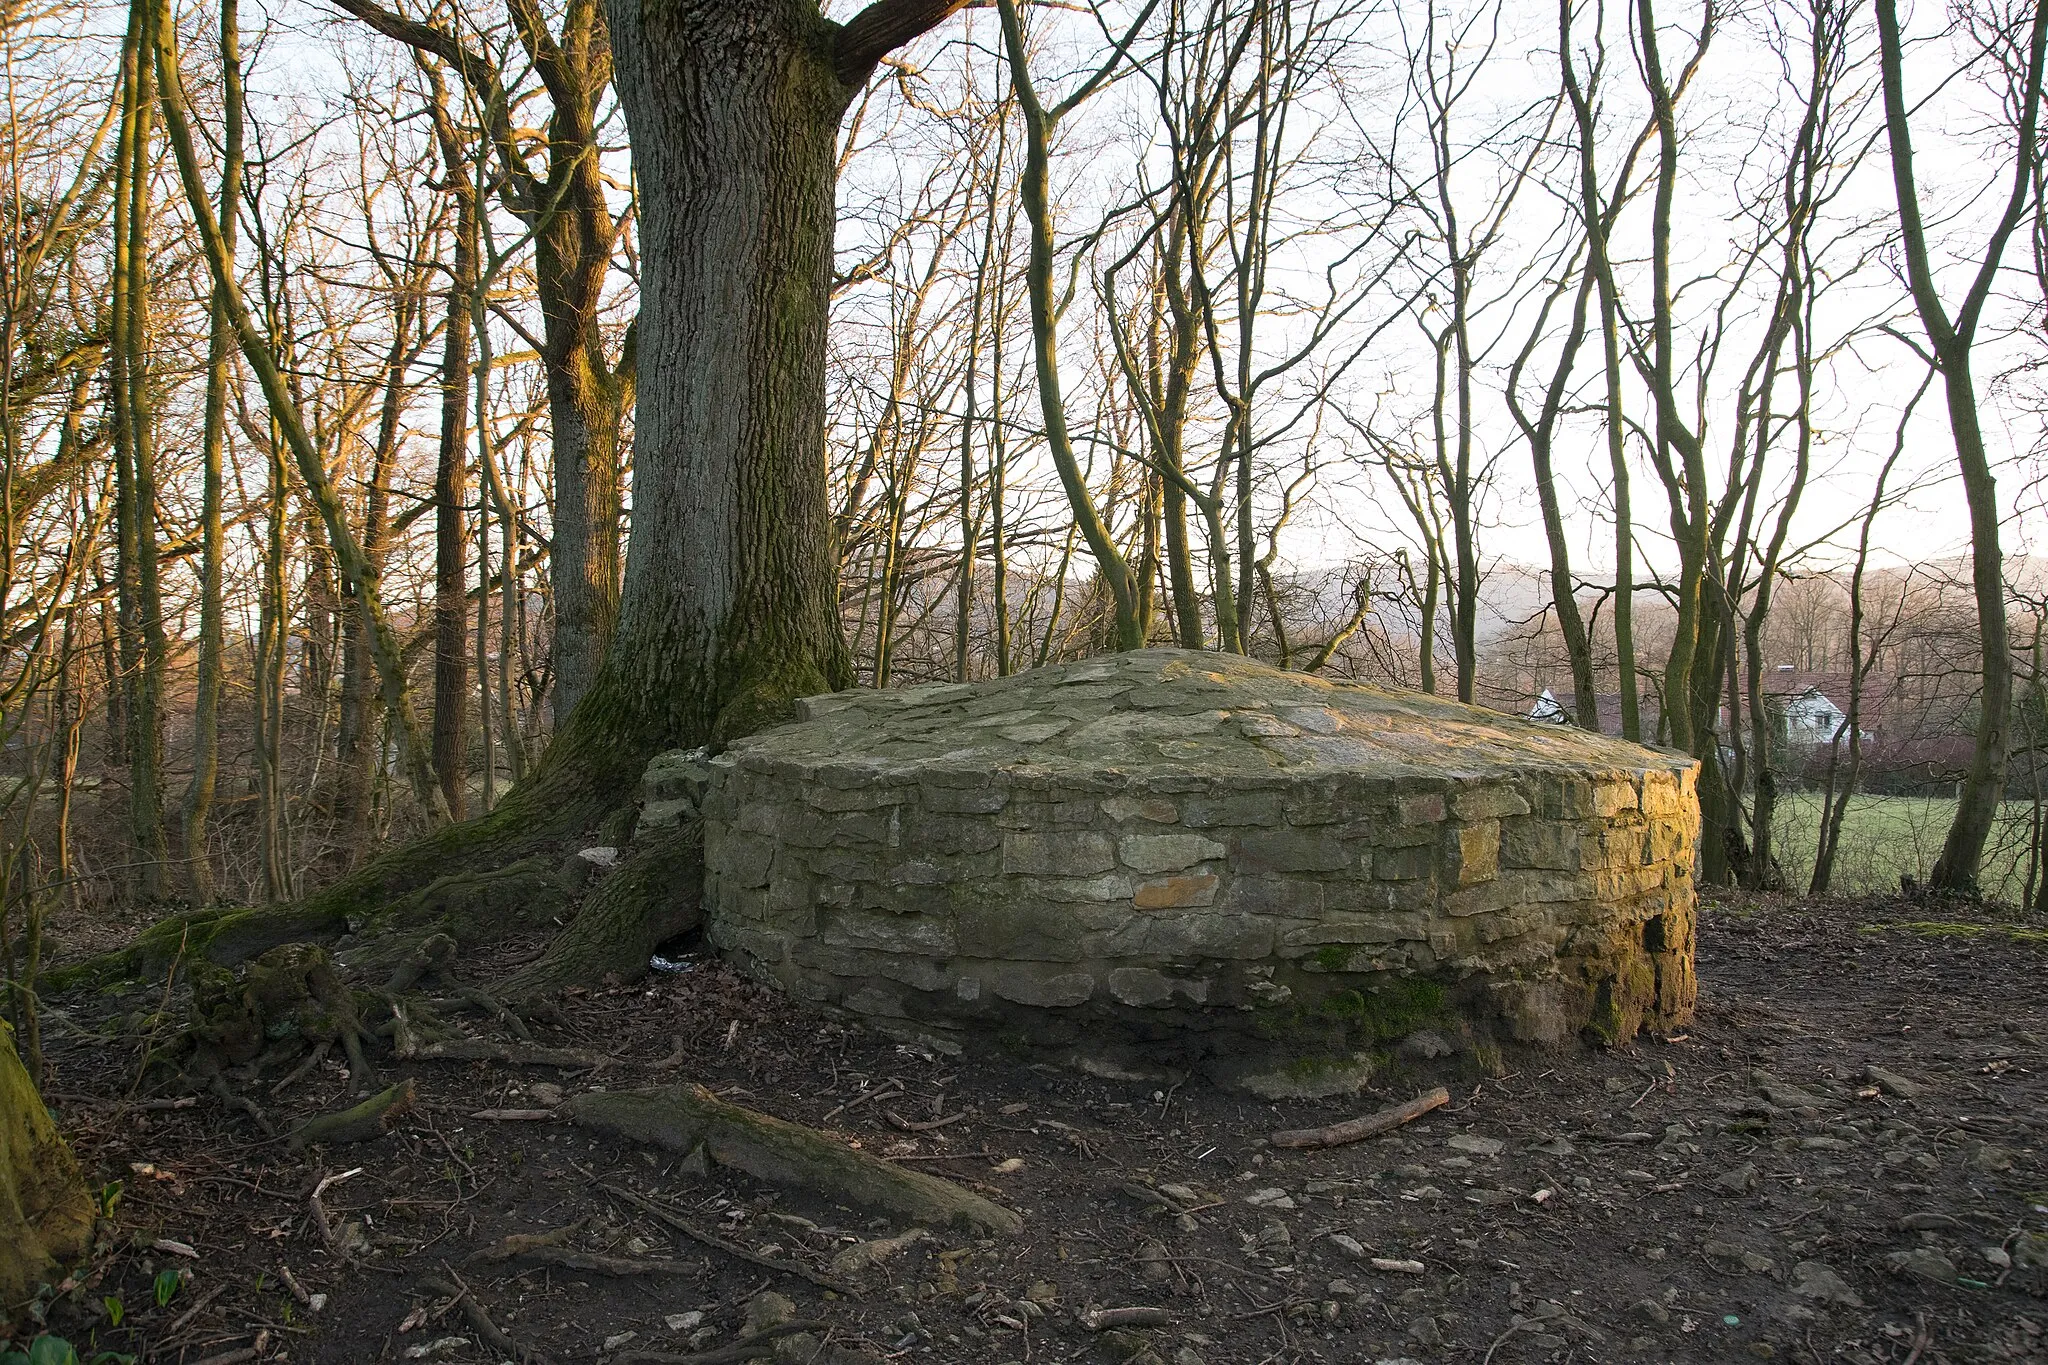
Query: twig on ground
(755,1347)
(481,1050)
(696,1234)
(493,1336)
(880,1092)
(924,1126)
(1102,1319)
(328,1237)
(238,1356)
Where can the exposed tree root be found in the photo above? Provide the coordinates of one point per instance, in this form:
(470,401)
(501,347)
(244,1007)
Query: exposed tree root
(371,1119)
(655,896)
(681,1119)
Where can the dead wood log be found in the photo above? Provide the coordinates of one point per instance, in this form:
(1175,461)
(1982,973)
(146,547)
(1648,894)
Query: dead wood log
(373,1118)
(681,1119)
(1370,1125)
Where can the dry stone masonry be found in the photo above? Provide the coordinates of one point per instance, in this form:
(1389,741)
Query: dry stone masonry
(1186,858)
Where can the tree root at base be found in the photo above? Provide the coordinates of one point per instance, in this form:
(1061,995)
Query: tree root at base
(681,1119)
(373,1118)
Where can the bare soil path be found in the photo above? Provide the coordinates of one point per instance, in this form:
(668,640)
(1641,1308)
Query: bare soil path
(1752,1189)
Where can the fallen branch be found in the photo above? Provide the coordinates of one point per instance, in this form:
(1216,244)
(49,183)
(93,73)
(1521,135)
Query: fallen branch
(371,1119)
(1371,1125)
(519,1243)
(1102,1319)
(924,1126)
(238,1357)
(514,1115)
(328,1237)
(619,1267)
(681,1119)
(690,1230)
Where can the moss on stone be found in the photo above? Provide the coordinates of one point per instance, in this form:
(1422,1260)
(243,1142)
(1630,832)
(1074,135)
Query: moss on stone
(46,1213)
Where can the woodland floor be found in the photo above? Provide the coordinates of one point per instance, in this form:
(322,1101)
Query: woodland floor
(1741,1191)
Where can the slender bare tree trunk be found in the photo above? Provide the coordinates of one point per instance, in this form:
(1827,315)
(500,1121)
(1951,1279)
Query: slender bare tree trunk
(451,604)
(199,791)
(143,647)
(1951,339)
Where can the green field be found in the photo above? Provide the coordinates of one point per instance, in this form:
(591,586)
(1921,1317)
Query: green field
(1884,837)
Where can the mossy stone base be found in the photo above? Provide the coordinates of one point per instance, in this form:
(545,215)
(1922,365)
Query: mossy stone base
(1165,858)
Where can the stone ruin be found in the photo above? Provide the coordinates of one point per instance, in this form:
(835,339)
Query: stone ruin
(1171,858)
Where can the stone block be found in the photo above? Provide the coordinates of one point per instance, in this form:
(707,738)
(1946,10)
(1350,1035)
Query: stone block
(1246,808)
(877,1000)
(1380,898)
(1404,864)
(1488,803)
(1022,928)
(1033,983)
(1277,897)
(1111,886)
(921,935)
(1472,853)
(1154,853)
(837,800)
(1537,842)
(1561,796)
(1420,808)
(1480,899)
(1615,795)
(815,958)
(740,860)
(963,800)
(1176,892)
(1154,809)
(1379,929)
(1079,854)
(1288,850)
(928,832)
(1176,936)
(1140,986)
(764,946)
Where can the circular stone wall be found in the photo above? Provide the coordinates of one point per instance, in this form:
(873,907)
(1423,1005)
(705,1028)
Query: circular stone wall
(1174,856)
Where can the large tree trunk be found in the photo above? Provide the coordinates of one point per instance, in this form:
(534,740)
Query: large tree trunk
(729,611)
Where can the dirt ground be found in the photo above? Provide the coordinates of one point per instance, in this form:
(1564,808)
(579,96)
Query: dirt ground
(1749,1189)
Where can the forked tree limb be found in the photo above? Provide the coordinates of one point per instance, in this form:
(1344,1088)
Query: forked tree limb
(883,27)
